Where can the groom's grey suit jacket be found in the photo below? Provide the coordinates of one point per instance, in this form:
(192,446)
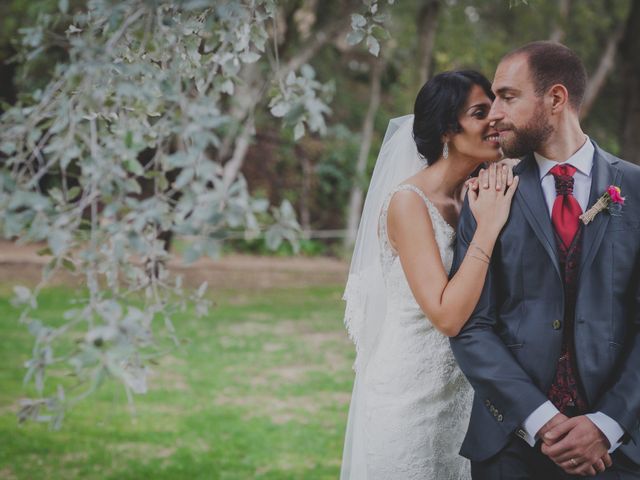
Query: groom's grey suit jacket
(510,346)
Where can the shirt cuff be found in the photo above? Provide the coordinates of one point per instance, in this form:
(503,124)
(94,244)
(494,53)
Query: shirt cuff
(536,420)
(609,427)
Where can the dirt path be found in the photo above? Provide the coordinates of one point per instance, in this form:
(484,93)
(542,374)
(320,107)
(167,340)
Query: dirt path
(21,263)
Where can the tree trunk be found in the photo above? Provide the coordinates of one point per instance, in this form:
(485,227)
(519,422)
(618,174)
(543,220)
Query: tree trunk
(233,166)
(253,92)
(427,27)
(557,32)
(357,194)
(630,75)
(307,172)
(605,67)
(246,95)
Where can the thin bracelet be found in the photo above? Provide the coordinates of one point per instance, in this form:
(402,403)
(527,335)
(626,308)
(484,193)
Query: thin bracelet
(481,250)
(480,258)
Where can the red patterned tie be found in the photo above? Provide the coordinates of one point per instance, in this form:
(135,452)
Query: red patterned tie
(566,208)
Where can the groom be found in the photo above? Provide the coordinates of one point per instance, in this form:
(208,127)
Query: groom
(553,347)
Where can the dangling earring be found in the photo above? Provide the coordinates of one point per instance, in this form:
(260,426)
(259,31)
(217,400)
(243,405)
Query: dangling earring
(445,150)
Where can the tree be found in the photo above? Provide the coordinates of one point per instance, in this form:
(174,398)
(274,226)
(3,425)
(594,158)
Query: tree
(145,96)
(630,74)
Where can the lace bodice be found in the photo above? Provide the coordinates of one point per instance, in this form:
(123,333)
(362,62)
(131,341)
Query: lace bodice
(397,287)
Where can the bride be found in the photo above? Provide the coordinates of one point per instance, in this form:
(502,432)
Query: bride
(410,404)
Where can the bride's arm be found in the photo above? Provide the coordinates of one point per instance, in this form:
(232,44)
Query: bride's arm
(447,303)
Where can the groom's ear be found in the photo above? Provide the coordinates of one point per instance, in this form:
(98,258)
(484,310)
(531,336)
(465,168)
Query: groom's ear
(558,97)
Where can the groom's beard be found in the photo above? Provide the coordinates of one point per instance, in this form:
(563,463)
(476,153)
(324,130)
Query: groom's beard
(526,139)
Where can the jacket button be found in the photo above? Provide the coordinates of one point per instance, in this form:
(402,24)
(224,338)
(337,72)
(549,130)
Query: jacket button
(487,403)
(557,324)
(499,418)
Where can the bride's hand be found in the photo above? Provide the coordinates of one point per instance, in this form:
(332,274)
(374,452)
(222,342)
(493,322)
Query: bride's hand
(490,202)
(473,183)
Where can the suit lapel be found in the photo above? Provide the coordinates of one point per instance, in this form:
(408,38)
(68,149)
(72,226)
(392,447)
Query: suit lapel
(604,173)
(534,207)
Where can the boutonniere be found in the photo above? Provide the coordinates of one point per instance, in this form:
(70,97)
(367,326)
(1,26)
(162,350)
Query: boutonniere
(611,200)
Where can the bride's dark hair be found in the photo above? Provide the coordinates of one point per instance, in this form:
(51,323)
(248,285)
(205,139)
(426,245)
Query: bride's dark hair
(438,106)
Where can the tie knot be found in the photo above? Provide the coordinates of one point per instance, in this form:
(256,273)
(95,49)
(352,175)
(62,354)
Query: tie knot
(563,176)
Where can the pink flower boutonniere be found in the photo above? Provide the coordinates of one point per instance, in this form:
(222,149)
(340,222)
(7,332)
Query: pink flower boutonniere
(611,200)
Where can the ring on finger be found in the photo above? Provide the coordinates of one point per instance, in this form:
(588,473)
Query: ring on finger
(573,462)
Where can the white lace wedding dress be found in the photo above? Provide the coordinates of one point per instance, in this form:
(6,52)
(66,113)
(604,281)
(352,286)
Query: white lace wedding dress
(413,403)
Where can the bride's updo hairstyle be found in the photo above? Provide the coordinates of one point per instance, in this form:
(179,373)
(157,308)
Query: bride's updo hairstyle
(438,107)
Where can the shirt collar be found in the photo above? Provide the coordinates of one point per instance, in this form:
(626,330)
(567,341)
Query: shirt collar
(582,160)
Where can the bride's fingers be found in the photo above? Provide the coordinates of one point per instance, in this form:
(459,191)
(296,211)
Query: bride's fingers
(492,175)
(509,176)
(499,182)
(512,189)
(473,195)
(472,184)
(484,177)
(501,177)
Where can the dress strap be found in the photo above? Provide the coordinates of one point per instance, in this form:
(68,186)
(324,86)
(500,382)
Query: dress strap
(382,223)
(434,213)
(413,188)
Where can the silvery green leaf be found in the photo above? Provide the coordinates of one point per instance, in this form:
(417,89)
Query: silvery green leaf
(56,194)
(202,308)
(307,71)
(73,193)
(202,289)
(279,110)
(373,45)
(286,210)
(184,178)
(73,29)
(8,148)
(249,57)
(134,166)
(291,78)
(110,310)
(63,6)
(227,87)
(298,131)
(59,241)
(212,248)
(358,20)
(192,253)
(22,294)
(355,37)
(259,205)
(131,185)
(273,238)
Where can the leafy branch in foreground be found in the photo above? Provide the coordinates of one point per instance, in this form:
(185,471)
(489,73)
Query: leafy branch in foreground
(114,155)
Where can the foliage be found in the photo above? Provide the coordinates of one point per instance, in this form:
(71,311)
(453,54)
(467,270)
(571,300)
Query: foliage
(369,27)
(262,393)
(113,155)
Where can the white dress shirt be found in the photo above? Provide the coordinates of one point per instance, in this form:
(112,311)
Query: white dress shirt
(582,160)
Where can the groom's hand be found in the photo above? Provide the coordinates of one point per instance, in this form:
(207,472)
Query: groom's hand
(556,420)
(578,446)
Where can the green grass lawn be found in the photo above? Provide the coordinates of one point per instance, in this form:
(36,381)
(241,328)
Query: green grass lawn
(261,391)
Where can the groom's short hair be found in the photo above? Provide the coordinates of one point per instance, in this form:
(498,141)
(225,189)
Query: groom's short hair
(552,63)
